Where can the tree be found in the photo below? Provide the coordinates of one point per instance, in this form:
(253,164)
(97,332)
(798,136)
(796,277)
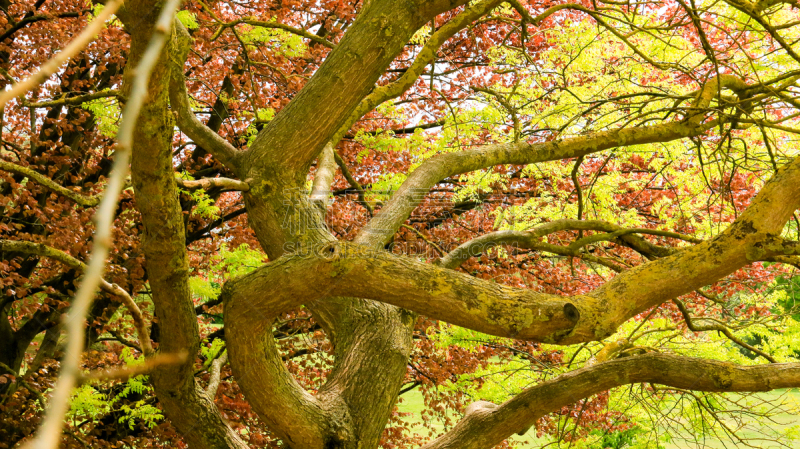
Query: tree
(535,177)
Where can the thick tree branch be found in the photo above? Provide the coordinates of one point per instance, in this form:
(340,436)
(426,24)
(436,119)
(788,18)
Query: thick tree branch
(184,401)
(293,139)
(323,177)
(498,310)
(49,433)
(179,100)
(382,227)
(226,184)
(487,425)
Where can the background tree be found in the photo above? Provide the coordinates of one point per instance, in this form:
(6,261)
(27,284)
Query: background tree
(511,208)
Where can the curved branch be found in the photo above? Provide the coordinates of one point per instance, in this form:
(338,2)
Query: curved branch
(179,100)
(487,425)
(530,240)
(83,200)
(382,227)
(623,232)
(40,249)
(274,25)
(347,269)
(401,281)
(694,327)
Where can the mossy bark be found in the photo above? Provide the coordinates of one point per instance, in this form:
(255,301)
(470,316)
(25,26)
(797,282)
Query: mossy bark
(186,405)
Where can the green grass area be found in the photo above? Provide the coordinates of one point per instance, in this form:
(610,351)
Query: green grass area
(412,403)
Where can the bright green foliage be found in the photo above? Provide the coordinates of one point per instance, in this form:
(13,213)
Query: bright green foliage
(146,413)
(283,42)
(263,115)
(89,401)
(621,439)
(107,114)
(213,351)
(614,72)
(188,19)
(422,35)
(654,415)
(204,288)
(451,335)
(205,206)
(225,265)
(140,410)
(238,262)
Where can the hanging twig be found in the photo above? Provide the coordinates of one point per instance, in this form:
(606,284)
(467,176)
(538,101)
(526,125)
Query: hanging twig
(719,328)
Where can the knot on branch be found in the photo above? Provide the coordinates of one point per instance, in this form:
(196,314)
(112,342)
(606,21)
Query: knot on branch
(329,252)
(571,312)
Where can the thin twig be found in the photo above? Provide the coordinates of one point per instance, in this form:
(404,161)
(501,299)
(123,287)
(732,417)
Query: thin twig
(40,249)
(83,200)
(53,64)
(353,183)
(132,371)
(427,240)
(719,328)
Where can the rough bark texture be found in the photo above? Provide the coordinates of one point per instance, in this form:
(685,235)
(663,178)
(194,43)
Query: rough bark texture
(188,407)
(366,299)
(487,424)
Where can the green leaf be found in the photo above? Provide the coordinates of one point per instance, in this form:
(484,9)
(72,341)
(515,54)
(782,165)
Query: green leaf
(188,19)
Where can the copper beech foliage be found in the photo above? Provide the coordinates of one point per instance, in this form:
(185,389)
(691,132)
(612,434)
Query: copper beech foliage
(633,163)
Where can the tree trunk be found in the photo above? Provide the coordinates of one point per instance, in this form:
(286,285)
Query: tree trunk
(187,406)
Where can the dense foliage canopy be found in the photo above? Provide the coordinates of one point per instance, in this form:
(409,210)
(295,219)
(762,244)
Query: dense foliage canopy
(531,222)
